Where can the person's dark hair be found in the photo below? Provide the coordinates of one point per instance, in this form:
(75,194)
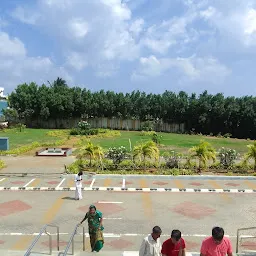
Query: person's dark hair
(176,234)
(80,173)
(157,230)
(217,233)
(92,207)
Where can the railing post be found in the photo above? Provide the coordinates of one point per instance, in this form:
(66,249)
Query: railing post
(83,240)
(237,239)
(73,249)
(58,239)
(50,244)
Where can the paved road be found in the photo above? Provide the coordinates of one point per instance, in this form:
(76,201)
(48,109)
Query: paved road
(128,216)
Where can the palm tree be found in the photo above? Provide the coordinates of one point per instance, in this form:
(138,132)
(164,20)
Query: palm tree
(204,152)
(251,154)
(91,151)
(146,150)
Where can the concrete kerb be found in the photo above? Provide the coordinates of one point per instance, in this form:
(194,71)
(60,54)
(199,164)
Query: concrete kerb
(120,189)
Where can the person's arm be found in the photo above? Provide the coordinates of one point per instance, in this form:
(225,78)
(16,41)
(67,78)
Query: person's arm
(100,219)
(203,250)
(142,248)
(182,251)
(229,252)
(85,217)
(164,251)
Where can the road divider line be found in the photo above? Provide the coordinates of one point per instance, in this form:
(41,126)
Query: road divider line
(106,202)
(57,187)
(51,213)
(2,179)
(110,235)
(70,183)
(250,184)
(22,243)
(178,184)
(107,182)
(215,185)
(91,185)
(28,183)
(34,183)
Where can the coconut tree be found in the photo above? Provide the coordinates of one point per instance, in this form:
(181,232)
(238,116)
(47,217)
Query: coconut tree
(91,151)
(146,150)
(203,152)
(251,154)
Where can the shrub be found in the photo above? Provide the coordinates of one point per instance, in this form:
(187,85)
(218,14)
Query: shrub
(117,154)
(227,135)
(147,126)
(147,133)
(227,157)
(74,132)
(84,125)
(172,159)
(157,138)
(2,164)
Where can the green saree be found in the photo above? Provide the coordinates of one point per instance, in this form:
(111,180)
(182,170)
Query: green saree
(96,235)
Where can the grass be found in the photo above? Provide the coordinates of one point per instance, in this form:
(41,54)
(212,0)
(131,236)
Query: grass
(170,141)
(28,136)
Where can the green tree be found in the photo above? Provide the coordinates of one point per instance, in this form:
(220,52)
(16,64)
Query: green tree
(91,151)
(204,152)
(251,154)
(146,150)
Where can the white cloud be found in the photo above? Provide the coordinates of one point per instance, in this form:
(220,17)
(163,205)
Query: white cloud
(78,27)
(192,68)
(118,9)
(137,26)
(11,47)
(76,60)
(17,67)
(25,15)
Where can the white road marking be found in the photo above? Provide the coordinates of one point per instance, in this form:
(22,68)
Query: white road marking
(60,184)
(2,179)
(105,202)
(123,185)
(112,218)
(91,185)
(28,183)
(116,235)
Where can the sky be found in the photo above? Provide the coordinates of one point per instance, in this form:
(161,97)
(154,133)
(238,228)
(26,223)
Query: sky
(126,45)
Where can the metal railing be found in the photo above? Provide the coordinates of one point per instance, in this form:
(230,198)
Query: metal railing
(71,242)
(238,236)
(44,231)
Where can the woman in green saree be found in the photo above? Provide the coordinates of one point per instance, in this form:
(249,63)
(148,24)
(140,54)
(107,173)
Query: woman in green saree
(95,226)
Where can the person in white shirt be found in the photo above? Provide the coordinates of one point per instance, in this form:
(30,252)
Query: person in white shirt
(151,244)
(78,182)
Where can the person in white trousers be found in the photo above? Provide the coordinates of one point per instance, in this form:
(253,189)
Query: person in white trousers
(78,182)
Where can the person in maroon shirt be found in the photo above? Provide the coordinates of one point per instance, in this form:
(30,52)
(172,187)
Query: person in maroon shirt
(174,246)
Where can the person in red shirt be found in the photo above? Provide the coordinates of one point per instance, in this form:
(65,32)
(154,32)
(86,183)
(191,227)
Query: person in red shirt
(174,246)
(217,244)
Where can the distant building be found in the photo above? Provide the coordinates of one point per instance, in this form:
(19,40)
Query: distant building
(2,93)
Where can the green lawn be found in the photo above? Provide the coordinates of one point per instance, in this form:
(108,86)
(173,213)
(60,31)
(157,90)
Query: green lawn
(178,142)
(170,141)
(17,138)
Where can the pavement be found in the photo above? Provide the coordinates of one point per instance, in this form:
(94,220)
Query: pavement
(131,206)
(128,217)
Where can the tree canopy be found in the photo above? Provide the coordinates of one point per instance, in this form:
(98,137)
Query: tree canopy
(204,113)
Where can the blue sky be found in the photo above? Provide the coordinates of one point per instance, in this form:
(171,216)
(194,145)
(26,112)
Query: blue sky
(125,45)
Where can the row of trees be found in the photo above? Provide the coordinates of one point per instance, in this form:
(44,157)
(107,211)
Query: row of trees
(204,153)
(205,113)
